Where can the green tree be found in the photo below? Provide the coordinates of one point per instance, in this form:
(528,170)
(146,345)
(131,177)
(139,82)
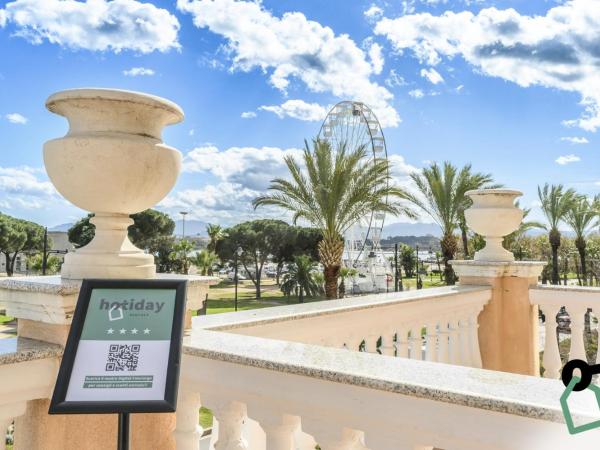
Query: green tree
(35,263)
(18,236)
(513,241)
(338,187)
(216,233)
(556,202)
(147,226)
(408,260)
(204,260)
(162,248)
(442,196)
(180,255)
(300,278)
(258,239)
(581,216)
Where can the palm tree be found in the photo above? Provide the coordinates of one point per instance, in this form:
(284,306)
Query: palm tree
(204,261)
(215,234)
(180,254)
(472,181)
(556,203)
(442,196)
(581,216)
(338,187)
(345,272)
(300,278)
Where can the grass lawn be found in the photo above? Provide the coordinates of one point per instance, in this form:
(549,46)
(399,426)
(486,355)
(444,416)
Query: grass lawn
(4,319)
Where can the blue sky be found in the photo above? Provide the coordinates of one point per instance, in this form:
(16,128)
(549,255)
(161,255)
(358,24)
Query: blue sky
(511,87)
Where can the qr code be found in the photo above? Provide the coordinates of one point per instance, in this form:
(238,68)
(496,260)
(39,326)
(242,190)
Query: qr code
(122,357)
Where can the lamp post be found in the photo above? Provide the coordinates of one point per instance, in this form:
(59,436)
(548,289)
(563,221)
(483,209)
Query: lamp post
(419,281)
(183,214)
(237,254)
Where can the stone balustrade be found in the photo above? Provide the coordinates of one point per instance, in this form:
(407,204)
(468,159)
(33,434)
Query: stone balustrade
(274,382)
(576,302)
(437,324)
(28,370)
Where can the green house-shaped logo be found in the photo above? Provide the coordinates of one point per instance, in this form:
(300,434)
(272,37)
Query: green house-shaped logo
(567,413)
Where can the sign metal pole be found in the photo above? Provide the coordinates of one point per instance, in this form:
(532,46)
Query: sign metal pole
(123,437)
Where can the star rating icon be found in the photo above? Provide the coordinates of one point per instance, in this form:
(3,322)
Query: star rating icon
(147,331)
(110,331)
(134,331)
(122,331)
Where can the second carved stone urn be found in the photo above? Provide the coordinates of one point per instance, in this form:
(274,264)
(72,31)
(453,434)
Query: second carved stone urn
(494,215)
(112,162)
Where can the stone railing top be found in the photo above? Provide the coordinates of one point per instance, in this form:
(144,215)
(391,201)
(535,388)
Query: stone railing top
(572,296)
(54,284)
(532,397)
(263,316)
(494,269)
(18,349)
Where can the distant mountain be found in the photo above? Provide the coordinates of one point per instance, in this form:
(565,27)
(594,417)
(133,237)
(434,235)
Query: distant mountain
(411,229)
(192,228)
(61,227)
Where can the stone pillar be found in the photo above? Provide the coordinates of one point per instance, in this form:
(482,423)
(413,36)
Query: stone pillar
(508,324)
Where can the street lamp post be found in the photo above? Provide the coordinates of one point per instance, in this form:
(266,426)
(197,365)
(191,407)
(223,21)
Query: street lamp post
(47,252)
(237,254)
(183,214)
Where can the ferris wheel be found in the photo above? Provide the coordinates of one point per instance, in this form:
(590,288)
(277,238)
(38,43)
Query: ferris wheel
(355,124)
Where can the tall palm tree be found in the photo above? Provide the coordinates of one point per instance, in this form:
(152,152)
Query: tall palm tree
(300,278)
(442,196)
(581,216)
(215,234)
(556,202)
(204,260)
(472,181)
(337,187)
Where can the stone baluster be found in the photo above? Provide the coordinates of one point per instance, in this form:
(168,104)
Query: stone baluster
(402,342)
(474,340)
(371,342)
(577,315)
(454,339)
(416,342)
(187,431)
(330,437)
(552,362)
(465,342)
(231,416)
(388,347)
(353,342)
(443,342)
(279,428)
(431,341)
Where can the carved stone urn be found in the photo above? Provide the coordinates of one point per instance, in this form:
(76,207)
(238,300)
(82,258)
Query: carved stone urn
(112,162)
(493,215)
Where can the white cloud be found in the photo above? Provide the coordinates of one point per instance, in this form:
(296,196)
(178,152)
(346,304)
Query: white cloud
(416,93)
(376,57)
(191,132)
(23,187)
(138,72)
(566,159)
(575,140)
(394,79)
(297,109)
(291,47)
(16,118)
(250,167)
(374,12)
(556,50)
(248,115)
(97,25)
(432,76)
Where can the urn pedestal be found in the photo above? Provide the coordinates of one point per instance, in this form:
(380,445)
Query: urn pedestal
(112,162)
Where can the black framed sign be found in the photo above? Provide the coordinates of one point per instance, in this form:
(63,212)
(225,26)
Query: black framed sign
(124,348)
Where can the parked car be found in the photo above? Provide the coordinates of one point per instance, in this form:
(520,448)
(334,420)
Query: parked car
(231,276)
